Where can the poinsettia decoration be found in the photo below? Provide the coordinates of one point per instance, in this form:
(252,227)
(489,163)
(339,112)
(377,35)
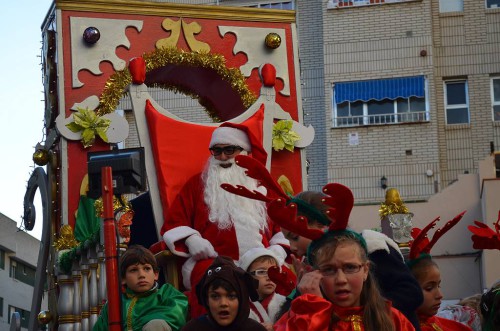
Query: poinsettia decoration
(283,136)
(90,125)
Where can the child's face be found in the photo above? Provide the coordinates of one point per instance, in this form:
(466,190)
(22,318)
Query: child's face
(344,275)
(430,283)
(298,244)
(223,305)
(140,277)
(266,286)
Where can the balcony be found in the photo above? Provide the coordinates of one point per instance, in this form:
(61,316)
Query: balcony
(407,117)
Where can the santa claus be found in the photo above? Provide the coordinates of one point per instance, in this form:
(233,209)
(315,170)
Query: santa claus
(205,221)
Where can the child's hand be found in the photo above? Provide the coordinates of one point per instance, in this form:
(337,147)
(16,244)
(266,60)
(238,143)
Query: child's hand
(268,326)
(310,283)
(299,266)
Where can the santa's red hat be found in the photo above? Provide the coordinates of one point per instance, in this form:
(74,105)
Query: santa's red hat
(240,135)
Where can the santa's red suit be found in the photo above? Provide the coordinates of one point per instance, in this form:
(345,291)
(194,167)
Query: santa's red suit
(188,215)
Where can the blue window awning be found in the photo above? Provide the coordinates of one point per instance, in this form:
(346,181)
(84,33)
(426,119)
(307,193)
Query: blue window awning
(380,89)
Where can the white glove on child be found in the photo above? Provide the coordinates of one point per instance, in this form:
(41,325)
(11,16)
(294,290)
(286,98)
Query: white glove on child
(200,248)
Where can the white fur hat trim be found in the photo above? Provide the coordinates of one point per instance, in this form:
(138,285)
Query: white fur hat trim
(230,136)
(252,254)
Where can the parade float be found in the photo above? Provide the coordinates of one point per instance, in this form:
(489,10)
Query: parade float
(101,61)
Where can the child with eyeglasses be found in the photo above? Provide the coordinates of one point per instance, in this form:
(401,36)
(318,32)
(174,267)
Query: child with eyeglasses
(257,262)
(340,293)
(394,279)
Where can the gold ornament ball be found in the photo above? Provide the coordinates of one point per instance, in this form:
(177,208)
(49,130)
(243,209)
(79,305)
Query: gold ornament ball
(273,40)
(44,317)
(41,157)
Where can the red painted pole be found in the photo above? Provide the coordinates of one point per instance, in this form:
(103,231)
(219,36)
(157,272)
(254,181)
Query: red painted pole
(110,251)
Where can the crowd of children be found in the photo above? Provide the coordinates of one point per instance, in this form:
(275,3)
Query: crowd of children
(345,280)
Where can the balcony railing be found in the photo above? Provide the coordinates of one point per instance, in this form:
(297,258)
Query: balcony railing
(408,117)
(352,3)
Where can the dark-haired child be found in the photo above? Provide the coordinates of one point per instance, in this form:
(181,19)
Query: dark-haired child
(145,305)
(225,291)
(427,273)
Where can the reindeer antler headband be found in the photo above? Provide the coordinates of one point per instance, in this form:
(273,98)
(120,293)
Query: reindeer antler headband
(483,237)
(282,209)
(421,246)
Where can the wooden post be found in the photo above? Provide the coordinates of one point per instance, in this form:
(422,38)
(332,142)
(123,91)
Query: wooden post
(111,255)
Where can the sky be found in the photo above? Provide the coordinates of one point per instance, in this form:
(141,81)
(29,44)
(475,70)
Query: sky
(21,97)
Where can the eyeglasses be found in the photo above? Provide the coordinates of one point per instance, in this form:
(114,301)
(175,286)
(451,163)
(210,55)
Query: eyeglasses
(259,273)
(348,269)
(227,150)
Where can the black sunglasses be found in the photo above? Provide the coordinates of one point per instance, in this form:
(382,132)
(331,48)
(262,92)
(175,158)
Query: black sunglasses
(227,150)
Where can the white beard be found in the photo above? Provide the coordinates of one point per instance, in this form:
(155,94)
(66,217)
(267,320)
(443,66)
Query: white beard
(248,216)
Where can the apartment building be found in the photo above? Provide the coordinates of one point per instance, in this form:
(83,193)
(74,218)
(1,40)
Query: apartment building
(411,92)
(18,260)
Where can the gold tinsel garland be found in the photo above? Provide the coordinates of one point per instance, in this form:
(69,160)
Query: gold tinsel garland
(392,208)
(66,239)
(115,86)
(121,204)
(393,204)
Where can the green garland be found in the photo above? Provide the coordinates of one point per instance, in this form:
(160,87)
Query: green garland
(65,261)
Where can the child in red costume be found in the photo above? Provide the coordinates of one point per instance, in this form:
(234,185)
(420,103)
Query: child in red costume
(340,293)
(427,273)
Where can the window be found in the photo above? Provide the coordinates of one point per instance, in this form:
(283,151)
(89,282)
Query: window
(2,259)
(25,315)
(12,270)
(353,3)
(492,3)
(22,272)
(1,307)
(383,101)
(446,6)
(288,5)
(495,98)
(456,102)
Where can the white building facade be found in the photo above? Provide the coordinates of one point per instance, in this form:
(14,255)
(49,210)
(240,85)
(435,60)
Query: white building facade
(18,260)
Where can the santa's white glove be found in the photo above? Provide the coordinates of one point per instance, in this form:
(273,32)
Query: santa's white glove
(200,248)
